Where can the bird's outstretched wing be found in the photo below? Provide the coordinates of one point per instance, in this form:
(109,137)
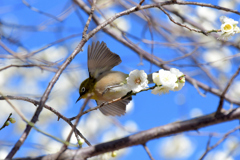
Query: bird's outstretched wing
(101,59)
(114,109)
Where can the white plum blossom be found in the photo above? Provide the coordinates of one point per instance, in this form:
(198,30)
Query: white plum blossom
(229,27)
(168,80)
(160,90)
(176,72)
(156,79)
(225,19)
(181,79)
(137,80)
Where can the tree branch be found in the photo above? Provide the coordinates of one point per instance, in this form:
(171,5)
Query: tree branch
(225,91)
(50,109)
(144,136)
(154,60)
(218,142)
(148,151)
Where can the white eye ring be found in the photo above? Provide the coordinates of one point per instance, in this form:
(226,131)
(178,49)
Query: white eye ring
(83,89)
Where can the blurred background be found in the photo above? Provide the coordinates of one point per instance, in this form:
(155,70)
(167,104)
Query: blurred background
(38,35)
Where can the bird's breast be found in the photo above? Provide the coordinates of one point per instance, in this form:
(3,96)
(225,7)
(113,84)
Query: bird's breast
(102,90)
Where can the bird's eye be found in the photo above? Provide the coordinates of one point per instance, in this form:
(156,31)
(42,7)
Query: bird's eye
(83,89)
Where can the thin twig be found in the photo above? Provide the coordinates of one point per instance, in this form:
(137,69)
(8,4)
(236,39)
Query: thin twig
(172,40)
(26,65)
(212,78)
(182,25)
(148,56)
(53,43)
(99,106)
(84,40)
(140,3)
(4,124)
(59,115)
(112,101)
(209,140)
(41,12)
(218,142)
(44,99)
(207,72)
(17,55)
(148,151)
(182,57)
(225,91)
(207,5)
(147,135)
(221,60)
(77,121)
(89,19)
(9,50)
(31,124)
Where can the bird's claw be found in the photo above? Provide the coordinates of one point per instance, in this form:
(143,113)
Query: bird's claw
(109,88)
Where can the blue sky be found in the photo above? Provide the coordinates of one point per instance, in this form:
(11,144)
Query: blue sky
(34,30)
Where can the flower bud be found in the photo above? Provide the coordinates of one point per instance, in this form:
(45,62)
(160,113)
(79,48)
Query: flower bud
(81,141)
(7,123)
(12,120)
(114,154)
(181,79)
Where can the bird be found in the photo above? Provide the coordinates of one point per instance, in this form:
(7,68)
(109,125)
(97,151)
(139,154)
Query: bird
(104,84)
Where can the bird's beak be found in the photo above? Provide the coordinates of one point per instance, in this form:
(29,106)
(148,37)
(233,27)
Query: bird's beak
(79,99)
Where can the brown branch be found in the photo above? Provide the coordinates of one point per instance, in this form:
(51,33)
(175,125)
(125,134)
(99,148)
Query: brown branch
(27,65)
(147,135)
(89,19)
(77,121)
(195,84)
(53,43)
(148,57)
(188,3)
(81,44)
(9,50)
(41,12)
(208,5)
(14,108)
(207,72)
(28,123)
(148,151)
(112,101)
(221,60)
(182,57)
(44,98)
(22,58)
(4,124)
(181,49)
(225,91)
(180,24)
(59,115)
(218,142)
(101,105)
(140,3)
(156,61)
